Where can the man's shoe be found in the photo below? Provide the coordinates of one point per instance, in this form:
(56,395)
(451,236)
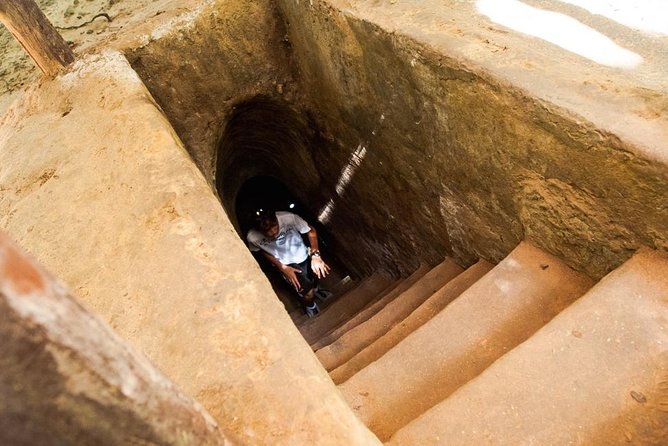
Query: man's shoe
(312,310)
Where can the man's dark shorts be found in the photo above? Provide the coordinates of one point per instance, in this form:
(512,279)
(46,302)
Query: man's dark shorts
(306,277)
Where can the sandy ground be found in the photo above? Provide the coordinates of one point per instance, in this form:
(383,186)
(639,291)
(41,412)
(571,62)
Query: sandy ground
(80,23)
(567,72)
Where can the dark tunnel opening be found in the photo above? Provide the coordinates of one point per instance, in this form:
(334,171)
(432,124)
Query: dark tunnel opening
(268,193)
(264,162)
(265,137)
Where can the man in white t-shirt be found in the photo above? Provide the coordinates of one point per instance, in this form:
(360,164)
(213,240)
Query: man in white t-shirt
(278,236)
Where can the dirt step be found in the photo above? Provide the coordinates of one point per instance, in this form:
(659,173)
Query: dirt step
(394,312)
(596,374)
(338,290)
(416,319)
(502,309)
(344,307)
(372,309)
(370,302)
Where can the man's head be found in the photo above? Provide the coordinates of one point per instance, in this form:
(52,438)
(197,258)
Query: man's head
(267,223)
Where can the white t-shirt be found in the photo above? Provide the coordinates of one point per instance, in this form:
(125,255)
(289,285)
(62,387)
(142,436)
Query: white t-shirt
(288,246)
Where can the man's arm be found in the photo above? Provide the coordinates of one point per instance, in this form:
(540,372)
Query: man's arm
(319,267)
(289,272)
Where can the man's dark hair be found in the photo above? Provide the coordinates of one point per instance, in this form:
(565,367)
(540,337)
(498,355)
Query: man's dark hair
(264,220)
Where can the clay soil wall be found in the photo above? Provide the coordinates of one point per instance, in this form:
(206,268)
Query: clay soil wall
(455,161)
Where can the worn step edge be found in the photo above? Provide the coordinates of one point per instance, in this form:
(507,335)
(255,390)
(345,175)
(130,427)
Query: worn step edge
(372,309)
(379,295)
(339,290)
(346,306)
(339,303)
(415,320)
(505,307)
(596,374)
(370,300)
(364,334)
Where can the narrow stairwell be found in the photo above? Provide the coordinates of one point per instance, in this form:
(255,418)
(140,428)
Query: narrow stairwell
(494,315)
(501,354)
(371,309)
(344,308)
(394,312)
(417,318)
(596,375)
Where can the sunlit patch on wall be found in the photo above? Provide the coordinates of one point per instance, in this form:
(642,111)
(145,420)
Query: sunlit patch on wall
(644,15)
(354,162)
(559,29)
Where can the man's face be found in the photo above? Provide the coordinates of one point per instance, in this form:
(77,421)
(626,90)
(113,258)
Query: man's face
(272,232)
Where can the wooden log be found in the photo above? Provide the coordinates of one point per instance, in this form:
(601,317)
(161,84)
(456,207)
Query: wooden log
(39,38)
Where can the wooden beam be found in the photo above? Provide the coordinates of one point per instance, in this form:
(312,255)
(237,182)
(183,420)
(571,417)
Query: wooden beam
(39,38)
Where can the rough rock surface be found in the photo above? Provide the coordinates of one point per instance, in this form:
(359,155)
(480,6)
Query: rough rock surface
(98,187)
(479,133)
(67,378)
(481,139)
(595,375)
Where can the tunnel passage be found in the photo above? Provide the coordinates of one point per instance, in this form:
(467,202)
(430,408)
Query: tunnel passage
(266,137)
(265,192)
(264,161)
(268,193)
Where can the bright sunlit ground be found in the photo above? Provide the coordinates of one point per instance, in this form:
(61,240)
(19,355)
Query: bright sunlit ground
(572,35)
(644,15)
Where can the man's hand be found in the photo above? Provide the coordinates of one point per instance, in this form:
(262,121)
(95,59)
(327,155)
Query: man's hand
(319,267)
(290,273)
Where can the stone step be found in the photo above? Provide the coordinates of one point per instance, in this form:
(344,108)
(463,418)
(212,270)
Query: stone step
(597,374)
(66,378)
(372,301)
(344,307)
(339,300)
(369,302)
(371,309)
(502,309)
(364,334)
(416,319)
(338,290)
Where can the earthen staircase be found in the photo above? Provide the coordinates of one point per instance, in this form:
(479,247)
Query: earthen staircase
(524,352)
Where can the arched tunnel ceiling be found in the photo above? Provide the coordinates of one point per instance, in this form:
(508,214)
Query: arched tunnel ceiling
(264,136)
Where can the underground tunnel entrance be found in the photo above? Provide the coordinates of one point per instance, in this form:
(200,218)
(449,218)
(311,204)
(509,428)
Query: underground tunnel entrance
(267,194)
(265,162)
